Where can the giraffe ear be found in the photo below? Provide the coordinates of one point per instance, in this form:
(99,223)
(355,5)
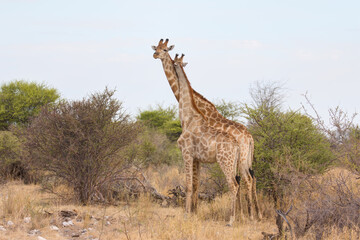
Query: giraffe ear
(171,47)
(153,47)
(184,64)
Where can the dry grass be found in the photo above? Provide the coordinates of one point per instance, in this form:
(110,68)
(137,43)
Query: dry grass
(139,220)
(142,219)
(164,178)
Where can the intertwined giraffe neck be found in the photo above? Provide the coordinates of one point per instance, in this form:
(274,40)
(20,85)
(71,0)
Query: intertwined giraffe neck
(215,120)
(170,73)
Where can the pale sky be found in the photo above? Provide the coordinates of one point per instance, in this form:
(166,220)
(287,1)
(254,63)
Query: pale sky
(81,46)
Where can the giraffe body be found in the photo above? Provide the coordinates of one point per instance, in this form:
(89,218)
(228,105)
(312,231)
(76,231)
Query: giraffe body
(200,143)
(217,121)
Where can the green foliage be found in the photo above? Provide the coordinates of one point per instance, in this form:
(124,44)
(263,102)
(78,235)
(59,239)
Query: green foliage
(355,132)
(156,118)
(162,119)
(154,148)
(11,164)
(157,142)
(20,100)
(172,129)
(286,143)
(229,110)
(10,148)
(348,152)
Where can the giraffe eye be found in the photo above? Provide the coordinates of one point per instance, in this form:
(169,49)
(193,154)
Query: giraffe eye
(165,50)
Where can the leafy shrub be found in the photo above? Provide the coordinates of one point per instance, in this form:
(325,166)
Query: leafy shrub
(286,142)
(154,148)
(81,142)
(20,100)
(11,165)
(162,119)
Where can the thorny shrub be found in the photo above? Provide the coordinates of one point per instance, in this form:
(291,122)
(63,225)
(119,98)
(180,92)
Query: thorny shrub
(80,143)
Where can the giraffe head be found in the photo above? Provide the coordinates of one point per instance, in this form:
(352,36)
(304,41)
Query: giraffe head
(179,60)
(162,49)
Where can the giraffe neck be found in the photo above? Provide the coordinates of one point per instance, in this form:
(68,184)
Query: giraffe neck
(187,107)
(171,76)
(205,106)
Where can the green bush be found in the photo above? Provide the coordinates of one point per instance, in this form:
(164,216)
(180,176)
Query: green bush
(230,110)
(11,165)
(286,143)
(10,147)
(20,100)
(154,148)
(157,142)
(348,152)
(163,120)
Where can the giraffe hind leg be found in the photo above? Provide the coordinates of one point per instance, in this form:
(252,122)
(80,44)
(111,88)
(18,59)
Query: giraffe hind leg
(247,174)
(238,198)
(229,171)
(254,195)
(248,194)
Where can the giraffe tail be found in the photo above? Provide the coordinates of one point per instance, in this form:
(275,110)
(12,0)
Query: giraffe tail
(238,178)
(251,157)
(237,171)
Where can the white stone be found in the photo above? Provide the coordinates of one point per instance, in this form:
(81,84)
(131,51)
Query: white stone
(41,238)
(107,223)
(27,219)
(34,232)
(68,223)
(10,223)
(2,228)
(54,228)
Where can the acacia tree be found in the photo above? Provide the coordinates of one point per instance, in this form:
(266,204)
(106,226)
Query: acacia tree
(20,100)
(80,142)
(342,132)
(287,143)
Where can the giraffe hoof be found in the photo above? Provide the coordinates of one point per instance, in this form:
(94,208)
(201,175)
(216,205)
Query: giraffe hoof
(229,225)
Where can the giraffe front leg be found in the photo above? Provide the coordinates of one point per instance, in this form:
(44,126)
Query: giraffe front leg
(189,181)
(195,194)
(233,187)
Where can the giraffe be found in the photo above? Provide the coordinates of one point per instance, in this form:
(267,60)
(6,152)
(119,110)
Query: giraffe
(199,142)
(216,120)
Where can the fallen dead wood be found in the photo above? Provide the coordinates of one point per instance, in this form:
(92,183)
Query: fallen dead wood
(282,232)
(174,197)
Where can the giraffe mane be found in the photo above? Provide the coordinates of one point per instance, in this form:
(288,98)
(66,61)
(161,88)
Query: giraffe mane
(203,98)
(192,93)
